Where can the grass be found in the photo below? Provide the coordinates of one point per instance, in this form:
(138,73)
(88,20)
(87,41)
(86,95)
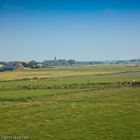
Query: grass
(44,74)
(58,72)
(27,95)
(100,102)
(112,78)
(102,114)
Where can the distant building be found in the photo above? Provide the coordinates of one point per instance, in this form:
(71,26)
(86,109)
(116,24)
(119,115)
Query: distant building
(19,66)
(39,65)
(9,66)
(55,59)
(13,66)
(1,66)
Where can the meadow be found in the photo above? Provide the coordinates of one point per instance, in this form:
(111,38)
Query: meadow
(100,102)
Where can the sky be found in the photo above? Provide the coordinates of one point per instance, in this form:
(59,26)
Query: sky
(83,30)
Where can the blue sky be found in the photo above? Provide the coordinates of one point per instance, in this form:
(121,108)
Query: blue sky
(78,29)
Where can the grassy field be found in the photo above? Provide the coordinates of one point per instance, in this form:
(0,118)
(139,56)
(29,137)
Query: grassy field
(60,72)
(71,103)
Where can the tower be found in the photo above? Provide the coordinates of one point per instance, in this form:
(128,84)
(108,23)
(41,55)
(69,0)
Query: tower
(55,59)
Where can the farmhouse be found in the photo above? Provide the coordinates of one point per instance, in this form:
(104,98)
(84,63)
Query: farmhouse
(1,66)
(39,65)
(19,66)
(9,66)
(13,66)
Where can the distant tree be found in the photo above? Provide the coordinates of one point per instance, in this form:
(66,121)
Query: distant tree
(2,63)
(71,61)
(65,62)
(33,64)
(1,69)
(25,64)
(90,62)
(59,62)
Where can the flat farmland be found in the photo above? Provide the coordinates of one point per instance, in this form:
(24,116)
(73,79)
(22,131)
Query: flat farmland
(65,71)
(100,102)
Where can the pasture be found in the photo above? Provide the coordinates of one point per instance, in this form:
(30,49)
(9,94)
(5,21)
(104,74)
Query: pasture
(100,102)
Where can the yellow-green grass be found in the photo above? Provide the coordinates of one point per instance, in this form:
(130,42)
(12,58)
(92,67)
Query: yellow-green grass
(27,95)
(60,72)
(85,115)
(44,74)
(42,83)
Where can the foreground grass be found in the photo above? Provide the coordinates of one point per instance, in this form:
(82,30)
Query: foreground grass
(29,95)
(71,103)
(85,115)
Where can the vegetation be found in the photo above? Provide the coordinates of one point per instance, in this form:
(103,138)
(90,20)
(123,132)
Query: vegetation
(63,62)
(100,102)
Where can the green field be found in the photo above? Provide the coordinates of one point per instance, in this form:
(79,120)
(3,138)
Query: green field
(100,102)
